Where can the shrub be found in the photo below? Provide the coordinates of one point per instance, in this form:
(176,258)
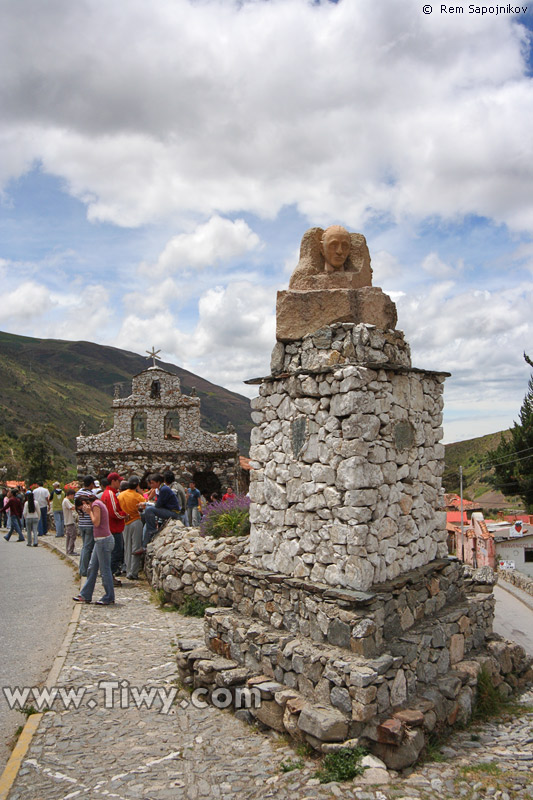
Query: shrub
(194,606)
(489,700)
(227,518)
(343,765)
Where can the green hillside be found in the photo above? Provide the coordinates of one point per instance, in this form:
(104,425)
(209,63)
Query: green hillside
(472,455)
(55,385)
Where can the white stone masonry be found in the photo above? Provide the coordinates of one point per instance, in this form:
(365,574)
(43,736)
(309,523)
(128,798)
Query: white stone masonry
(346,460)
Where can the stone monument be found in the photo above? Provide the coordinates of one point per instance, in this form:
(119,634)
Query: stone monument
(348,465)
(345,611)
(332,283)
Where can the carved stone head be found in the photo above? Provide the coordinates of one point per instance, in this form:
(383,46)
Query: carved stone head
(335,246)
(332,259)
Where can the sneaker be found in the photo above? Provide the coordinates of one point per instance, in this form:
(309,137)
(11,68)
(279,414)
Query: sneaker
(141,551)
(105,603)
(6,537)
(116,582)
(132,577)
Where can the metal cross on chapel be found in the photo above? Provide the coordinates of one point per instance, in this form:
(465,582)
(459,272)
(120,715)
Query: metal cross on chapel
(152,354)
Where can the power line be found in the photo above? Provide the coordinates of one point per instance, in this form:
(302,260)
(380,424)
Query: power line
(489,465)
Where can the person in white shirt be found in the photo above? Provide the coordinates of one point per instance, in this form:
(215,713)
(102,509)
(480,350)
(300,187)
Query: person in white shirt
(70,521)
(32,515)
(42,498)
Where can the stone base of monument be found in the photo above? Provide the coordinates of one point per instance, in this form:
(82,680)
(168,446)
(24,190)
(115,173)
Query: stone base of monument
(343,616)
(300,312)
(332,667)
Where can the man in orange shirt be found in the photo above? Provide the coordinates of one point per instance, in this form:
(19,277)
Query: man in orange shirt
(133,530)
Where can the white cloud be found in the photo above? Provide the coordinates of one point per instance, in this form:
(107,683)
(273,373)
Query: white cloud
(216,241)
(26,301)
(345,110)
(479,337)
(90,317)
(231,342)
(437,268)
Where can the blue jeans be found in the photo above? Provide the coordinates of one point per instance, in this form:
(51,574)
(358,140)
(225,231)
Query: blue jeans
(14,526)
(100,560)
(60,524)
(87,539)
(151,515)
(117,559)
(43,522)
(32,528)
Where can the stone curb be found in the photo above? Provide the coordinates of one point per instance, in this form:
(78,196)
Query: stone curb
(31,727)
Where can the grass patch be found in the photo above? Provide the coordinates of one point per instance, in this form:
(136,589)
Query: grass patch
(158,597)
(483,768)
(490,702)
(194,606)
(304,750)
(344,765)
(29,710)
(291,764)
(432,750)
(14,739)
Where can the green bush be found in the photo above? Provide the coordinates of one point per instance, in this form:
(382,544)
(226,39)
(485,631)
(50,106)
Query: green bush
(227,518)
(489,700)
(194,606)
(344,765)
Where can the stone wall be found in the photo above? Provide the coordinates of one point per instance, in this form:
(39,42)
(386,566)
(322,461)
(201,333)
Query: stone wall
(185,465)
(517,578)
(343,710)
(182,562)
(347,461)
(359,653)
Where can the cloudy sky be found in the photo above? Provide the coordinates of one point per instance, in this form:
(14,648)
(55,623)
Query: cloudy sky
(160,162)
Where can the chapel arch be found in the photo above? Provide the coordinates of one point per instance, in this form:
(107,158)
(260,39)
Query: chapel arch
(207,482)
(139,427)
(172,425)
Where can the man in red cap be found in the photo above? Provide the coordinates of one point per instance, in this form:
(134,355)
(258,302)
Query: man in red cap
(117,520)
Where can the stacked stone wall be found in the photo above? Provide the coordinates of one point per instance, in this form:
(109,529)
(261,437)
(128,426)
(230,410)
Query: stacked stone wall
(347,465)
(328,644)
(184,465)
(517,578)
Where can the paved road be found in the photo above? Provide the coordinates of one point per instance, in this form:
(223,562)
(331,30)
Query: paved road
(514,618)
(36,590)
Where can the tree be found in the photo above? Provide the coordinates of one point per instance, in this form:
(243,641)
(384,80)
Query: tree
(513,459)
(42,460)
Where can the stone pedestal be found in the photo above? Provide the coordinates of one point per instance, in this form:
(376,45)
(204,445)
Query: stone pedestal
(299,313)
(347,465)
(343,617)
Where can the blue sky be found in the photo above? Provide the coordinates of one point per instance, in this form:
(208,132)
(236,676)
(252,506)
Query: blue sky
(160,162)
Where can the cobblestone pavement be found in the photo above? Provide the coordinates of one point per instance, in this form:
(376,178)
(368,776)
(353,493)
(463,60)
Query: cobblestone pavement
(132,753)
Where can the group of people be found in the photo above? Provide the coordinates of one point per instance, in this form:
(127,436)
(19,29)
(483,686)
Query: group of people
(29,509)
(117,524)
(116,520)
